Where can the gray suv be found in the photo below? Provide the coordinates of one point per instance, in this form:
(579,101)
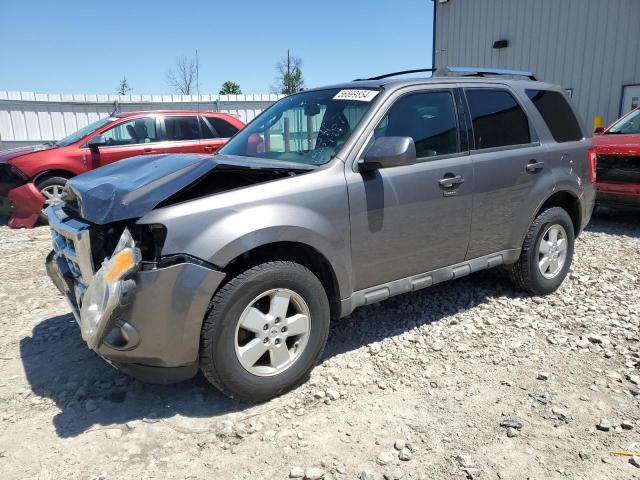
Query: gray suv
(332,198)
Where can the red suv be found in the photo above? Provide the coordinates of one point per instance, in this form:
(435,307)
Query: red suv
(616,155)
(32,177)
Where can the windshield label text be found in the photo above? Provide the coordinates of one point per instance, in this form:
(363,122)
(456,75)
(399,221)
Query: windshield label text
(358,95)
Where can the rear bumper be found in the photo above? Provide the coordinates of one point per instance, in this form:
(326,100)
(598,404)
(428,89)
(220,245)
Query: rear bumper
(618,194)
(25,203)
(154,334)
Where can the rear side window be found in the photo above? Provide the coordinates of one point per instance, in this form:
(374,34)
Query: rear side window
(223,129)
(498,120)
(557,114)
(181,128)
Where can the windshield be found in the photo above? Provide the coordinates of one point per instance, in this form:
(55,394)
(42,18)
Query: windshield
(630,123)
(84,131)
(308,127)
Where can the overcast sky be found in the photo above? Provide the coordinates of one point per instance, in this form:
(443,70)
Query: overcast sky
(73,46)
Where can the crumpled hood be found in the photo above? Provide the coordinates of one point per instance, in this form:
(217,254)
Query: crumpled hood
(6,155)
(616,144)
(132,187)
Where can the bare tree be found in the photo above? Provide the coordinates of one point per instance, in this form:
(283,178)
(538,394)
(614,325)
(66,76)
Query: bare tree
(183,78)
(289,75)
(123,87)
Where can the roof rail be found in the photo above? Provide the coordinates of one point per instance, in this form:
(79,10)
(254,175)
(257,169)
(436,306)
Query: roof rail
(395,74)
(481,72)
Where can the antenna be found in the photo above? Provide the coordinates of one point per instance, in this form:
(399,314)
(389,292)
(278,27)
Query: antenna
(198,79)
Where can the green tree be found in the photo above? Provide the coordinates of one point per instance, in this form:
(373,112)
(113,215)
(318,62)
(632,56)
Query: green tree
(230,88)
(289,75)
(123,87)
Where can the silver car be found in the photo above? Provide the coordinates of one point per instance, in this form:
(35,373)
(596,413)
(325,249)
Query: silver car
(332,198)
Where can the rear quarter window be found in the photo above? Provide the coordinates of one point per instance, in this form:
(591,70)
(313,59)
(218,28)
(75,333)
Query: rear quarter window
(498,120)
(557,114)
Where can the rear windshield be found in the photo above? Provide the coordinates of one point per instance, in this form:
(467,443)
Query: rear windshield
(557,114)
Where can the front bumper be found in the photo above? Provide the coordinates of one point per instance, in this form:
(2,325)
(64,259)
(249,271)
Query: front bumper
(154,332)
(25,205)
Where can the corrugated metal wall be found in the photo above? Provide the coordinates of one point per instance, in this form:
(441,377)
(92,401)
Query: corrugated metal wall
(27,117)
(590,46)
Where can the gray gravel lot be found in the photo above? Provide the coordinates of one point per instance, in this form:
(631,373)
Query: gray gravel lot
(464,380)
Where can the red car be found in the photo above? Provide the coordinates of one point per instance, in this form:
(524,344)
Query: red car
(32,177)
(616,154)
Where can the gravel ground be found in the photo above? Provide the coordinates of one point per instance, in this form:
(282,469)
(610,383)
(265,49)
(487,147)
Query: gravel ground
(464,380)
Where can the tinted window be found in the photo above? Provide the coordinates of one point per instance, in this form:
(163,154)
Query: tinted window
(557,114)
(498,120)
(132,132)
(223,129)
(428,118)
(182,128)
(207,130)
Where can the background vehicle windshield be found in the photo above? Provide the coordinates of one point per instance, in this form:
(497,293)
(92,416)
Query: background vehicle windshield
(308,127)
(627,124)
(84,131)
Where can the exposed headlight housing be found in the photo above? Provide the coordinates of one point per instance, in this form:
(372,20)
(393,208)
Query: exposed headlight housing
(107,289)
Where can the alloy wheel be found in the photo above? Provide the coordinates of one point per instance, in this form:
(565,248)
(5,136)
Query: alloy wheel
(52,195)
(272,332)
(552,251)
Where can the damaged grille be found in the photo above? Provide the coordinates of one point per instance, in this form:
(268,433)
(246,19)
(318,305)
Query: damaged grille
(71,244)
(618,168)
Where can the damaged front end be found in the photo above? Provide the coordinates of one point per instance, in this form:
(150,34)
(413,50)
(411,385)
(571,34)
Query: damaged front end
(140,310)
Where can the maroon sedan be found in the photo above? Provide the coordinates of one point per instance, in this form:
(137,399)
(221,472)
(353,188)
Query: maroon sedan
(616,155)
(32,177)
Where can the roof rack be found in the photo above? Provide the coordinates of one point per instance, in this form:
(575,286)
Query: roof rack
(449,71)
(395,74)
(481,72)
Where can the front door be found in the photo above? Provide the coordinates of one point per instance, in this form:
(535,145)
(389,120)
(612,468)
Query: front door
(410,219)
(138,136)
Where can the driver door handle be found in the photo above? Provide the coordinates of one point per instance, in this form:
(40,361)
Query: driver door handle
(448,182)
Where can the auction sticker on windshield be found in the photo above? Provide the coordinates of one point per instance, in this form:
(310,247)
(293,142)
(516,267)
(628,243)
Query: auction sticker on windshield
(354,94)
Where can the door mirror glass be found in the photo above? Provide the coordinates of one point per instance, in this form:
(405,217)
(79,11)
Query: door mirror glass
(386,152)
(96,142)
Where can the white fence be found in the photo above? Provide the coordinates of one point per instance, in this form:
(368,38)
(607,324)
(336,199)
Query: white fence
(27,118)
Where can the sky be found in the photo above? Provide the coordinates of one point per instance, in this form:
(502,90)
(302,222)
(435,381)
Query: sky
(71,46)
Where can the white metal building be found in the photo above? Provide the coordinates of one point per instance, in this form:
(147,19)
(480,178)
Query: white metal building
(589,47)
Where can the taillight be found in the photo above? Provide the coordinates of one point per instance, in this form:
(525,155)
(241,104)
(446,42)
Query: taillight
(593,164)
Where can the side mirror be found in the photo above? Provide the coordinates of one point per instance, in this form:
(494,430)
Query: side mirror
(386,152)
(96,142)
(598,131)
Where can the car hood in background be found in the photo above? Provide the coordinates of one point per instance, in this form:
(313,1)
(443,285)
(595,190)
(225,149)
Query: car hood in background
(617,144)
(12,153)
(132,187)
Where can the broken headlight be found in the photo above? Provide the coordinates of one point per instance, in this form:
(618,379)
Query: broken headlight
(107,289)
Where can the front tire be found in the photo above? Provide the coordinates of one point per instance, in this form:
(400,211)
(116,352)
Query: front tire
(546,254)
(51,188)
(265,331)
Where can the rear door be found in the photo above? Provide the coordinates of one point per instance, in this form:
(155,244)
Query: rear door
(412,219)
(136,136)
(215,132)
(511,167)
(181,134)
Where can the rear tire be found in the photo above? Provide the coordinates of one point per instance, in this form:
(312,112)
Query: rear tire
(250,313)
(546,254)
